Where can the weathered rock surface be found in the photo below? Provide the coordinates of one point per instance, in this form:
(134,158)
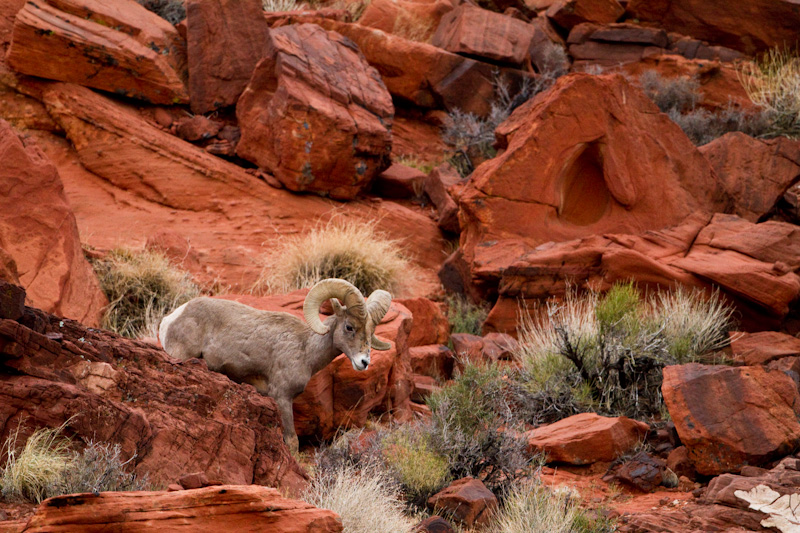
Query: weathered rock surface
(724,506)
(756,173)
(205,510)
(39,235)
(225,40)
(415,20)
(643,472)
(175,418)
(430,323)
(754,264)
(399,181)
(434,360)
(764,347)
(315,114)
(468,500)
(568,13)
(586,438)
(732,417)
(121,48)
(425,75)
(476,32)
(591,156)
(437,184)
(749,28)
(338,396)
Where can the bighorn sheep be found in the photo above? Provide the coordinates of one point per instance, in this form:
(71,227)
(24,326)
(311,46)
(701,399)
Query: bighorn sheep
(276,352)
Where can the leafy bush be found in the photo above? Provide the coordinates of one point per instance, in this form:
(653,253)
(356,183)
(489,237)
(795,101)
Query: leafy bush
(605,353)
(142,287)
(366,499)
(350,250)
(46,466)
(474,425)
(530,506)
(419,468)
(464,316)
(773,82)
(173,11)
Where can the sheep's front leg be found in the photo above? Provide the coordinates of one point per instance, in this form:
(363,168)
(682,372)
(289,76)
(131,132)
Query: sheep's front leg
(287,417)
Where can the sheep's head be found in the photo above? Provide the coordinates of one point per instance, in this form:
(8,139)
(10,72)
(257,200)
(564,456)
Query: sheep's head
(356,318)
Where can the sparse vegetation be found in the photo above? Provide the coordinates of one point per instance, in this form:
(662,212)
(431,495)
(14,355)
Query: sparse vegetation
(367,499)
(420,469)
(679,98)
(142,287)
(173,11)
(46,466)
(605,353)
(280,6)
(465,316)
(772,82)
(352,250)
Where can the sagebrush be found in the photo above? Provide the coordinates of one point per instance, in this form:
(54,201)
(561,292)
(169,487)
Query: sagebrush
(773,82)
(142,287)
(351,250)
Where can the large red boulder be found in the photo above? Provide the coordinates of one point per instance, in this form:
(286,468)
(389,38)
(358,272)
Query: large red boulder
(748,27)
(586,438)
(206,510)
(466,500)
(476,32)
(730,417)
(414,20)
(764,347)
(338,396)
(172,418)
(430,323)
(39,235)
(225,39)
(568,13)
(120,48)
(315,114)
(755,172)
(590,156)
(753,264)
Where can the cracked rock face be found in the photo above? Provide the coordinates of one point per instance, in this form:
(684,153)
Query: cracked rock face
(315,114)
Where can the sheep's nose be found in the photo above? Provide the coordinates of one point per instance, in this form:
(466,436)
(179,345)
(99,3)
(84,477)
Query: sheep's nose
(365,362)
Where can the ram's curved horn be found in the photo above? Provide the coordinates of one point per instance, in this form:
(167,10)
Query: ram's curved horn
(326,289)
(377,306)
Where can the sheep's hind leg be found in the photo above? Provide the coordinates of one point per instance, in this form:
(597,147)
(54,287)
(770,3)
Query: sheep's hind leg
(287,417)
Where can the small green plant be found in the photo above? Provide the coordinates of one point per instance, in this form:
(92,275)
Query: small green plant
(350,250)
(772,82)
(142,287)
(420,469)
(367,500)
(464,316)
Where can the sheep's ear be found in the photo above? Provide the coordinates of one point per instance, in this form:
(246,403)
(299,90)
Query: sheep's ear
(338,309)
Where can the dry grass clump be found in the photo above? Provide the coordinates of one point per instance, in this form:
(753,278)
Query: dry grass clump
(142,287)
(366,499)
(350,250)
(605,353)
(773,82)
(280,6)
(173,11)
(46,466)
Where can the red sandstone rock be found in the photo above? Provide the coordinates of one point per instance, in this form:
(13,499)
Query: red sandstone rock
(642,472)
(468,500)
(749,28)
(176,247)
(337,396)
(225,39)
(568,13)
(39,233)
(764,347)
(499,346)
(430,323)
(678,461)
(436,187)
(425,75)
(173,417)
(195,480)
(434,360)
(12,300)
(205,510)
(424,386)
(120,48)
(604,160)
(315,114)
(399,181)
(467,348)
(480,33)
(434,524)
(586,438)
(731,417)
(197,128)
(756,173)
(543,41)
(416,20)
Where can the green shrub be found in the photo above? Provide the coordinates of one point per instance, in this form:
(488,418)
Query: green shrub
(464,316)
(350,250)
(420,469)
(142,287)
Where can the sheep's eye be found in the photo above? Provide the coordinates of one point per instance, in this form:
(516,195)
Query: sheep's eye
(349,328)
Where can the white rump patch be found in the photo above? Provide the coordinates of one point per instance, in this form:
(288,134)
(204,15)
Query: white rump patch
(165,324)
